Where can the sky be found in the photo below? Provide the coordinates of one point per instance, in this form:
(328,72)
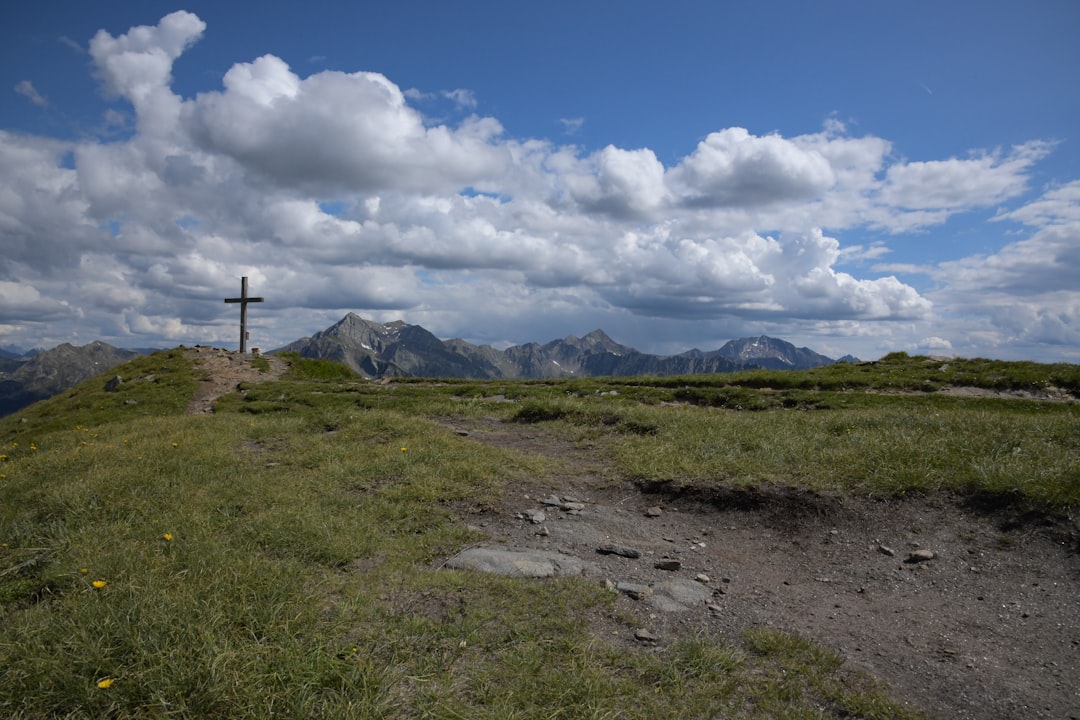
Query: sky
(855,177)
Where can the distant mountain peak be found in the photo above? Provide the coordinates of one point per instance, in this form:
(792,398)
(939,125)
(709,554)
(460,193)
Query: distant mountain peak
(397,348)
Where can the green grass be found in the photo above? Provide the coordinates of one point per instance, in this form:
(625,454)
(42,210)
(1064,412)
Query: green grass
(281,556)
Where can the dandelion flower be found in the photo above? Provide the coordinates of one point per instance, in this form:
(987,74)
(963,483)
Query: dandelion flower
(167,536)
(99,584)
(105,683)
(176,444)
(84,570)
(404,449)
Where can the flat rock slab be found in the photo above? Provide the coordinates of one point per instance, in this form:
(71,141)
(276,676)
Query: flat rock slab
(521,563)
(678,595)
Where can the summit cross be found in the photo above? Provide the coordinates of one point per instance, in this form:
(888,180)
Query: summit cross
(243,300)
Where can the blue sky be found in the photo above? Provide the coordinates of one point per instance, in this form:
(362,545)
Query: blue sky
(855,177)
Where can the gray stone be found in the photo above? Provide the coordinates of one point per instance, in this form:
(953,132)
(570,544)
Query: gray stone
(679,595)
(621,550)
(634,590)
(920,556)
(654,511)
(520,563)
(668,564)
(884,550)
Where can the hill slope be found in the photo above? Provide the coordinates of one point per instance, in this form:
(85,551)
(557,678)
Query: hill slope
(288,553)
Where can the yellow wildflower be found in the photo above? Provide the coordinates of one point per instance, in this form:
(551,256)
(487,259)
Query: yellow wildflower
(167,536)
(176,444)
(84,570)
(105,683)
(99,584)
(404,449)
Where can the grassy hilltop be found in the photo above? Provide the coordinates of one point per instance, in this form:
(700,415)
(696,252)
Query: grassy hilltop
(282,556)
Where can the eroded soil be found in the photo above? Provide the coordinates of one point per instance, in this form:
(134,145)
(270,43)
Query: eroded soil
(989,628)
(224,370)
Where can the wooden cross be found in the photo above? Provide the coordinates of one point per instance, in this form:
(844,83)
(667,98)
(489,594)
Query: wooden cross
(243,300)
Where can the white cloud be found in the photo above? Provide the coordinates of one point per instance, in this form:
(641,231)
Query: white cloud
(935,343)
(734,168)
(1059,205)
(28,91)
(623,183)
(979,181)
(572,125)
(1026,293)
(20,300)
(140,61)
(332,193)
(351,132)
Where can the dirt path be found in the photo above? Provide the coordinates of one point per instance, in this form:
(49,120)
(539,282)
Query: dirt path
(224,370)
(988,628)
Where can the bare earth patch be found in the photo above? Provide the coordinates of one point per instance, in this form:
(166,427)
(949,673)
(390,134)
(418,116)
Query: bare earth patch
(987,628)
(224,370)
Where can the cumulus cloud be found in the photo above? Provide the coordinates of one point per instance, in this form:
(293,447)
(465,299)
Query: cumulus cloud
(350,131)
(332,192)
(139,62)
(623,183)
(1026,292)
(734,168)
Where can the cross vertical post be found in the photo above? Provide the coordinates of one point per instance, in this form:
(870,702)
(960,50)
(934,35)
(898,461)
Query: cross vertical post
(243,300)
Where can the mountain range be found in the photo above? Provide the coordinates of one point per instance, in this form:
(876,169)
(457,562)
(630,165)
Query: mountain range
(398,349)
(25,379)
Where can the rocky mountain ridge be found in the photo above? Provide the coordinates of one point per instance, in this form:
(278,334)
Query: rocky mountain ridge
(45,373)
(399,349)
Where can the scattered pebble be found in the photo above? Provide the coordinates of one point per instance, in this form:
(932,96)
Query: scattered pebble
(643,635)
(654,511)
(668,564)
(920,556)
(886,550)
